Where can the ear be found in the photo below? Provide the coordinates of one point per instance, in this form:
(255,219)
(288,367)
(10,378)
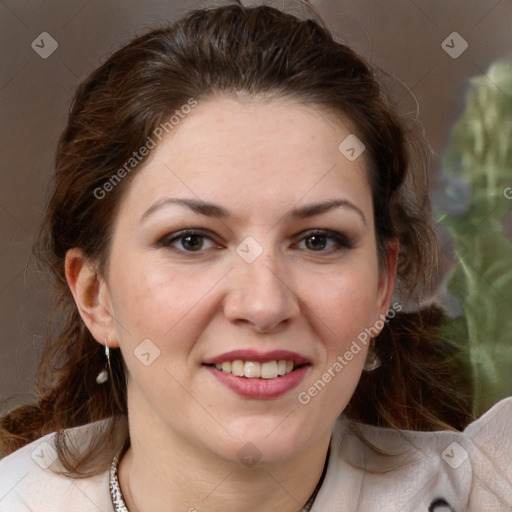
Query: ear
(92,297)
(387,276)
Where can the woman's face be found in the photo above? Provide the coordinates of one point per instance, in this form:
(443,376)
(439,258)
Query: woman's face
(280,264)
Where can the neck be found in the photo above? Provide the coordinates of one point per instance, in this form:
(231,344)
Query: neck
(161,472)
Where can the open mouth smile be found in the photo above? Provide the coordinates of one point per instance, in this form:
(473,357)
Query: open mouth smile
(259,376)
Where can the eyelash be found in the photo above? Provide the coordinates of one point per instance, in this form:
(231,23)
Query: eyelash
(342,242)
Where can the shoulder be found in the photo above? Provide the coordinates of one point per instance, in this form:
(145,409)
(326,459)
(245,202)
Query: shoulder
(29,479)
(388,470)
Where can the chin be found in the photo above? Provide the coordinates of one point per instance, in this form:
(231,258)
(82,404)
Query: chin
(265,441)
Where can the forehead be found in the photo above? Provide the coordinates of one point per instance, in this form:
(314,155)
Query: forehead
(245,148)
(265,131)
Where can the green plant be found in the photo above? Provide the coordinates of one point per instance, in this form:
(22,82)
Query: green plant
(480,154)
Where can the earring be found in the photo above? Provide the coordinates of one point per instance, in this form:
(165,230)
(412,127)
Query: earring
(372,360)
(103,375)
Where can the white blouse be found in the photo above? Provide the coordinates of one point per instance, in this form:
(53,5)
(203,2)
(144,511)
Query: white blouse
(442,471)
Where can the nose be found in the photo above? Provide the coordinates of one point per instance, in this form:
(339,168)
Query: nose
(261,295)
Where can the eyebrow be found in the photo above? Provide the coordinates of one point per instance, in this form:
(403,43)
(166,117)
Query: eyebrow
(217,211)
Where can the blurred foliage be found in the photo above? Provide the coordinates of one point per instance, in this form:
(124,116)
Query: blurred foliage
(480,154)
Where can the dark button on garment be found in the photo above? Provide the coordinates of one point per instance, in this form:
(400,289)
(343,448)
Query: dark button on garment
(440,505)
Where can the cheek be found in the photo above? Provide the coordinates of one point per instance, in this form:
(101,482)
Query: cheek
(344,301)
(158,324)
(153,300)
(341,309)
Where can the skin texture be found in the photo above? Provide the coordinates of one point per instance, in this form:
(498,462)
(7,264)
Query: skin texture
(258,159)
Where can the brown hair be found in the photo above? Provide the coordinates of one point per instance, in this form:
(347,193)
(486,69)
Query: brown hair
(264,52)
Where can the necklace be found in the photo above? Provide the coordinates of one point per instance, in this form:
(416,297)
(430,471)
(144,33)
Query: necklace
(120,505)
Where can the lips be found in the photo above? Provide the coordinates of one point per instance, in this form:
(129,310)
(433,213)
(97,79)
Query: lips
(257,375)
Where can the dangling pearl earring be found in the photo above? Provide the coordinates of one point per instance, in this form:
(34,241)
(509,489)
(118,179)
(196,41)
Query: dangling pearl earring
(372,360)
(103,375)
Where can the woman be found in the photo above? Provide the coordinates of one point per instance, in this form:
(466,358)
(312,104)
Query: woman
(235,204)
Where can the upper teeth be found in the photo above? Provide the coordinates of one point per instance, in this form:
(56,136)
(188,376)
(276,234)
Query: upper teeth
(255,370)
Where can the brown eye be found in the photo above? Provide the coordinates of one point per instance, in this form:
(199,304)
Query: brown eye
(325,241)
(188,241)
(316,242)
(192,242)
